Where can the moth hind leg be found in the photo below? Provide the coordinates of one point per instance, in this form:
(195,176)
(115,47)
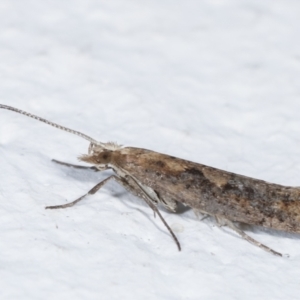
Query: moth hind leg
(223,221)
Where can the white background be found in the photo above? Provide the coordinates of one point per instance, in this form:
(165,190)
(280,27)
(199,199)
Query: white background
(216,82)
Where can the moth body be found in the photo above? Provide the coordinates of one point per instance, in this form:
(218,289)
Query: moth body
(209,190)
(167,180)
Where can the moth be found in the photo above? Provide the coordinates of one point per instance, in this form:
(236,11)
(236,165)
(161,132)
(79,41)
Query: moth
(161,179)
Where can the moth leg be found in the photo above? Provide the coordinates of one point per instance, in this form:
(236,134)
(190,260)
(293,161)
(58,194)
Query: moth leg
(134,188)
(169,204)
(245,236)
(92,191)
(200,213)
(221,221)
(138,189)
(74,166)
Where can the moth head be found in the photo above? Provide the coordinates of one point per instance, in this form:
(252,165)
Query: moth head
(100,154)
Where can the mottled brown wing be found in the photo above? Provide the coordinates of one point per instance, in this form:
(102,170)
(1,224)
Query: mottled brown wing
(217,192)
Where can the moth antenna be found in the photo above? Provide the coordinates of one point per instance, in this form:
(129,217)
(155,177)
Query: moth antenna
(86,137)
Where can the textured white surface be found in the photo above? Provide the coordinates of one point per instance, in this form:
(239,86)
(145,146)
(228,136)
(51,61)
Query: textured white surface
(215,82)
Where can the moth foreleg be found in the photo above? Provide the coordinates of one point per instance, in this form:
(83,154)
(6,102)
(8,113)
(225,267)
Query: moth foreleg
(75,166)
(92,191)
(230,224)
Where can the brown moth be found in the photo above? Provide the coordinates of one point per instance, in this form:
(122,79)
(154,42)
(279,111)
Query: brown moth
(160,179)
